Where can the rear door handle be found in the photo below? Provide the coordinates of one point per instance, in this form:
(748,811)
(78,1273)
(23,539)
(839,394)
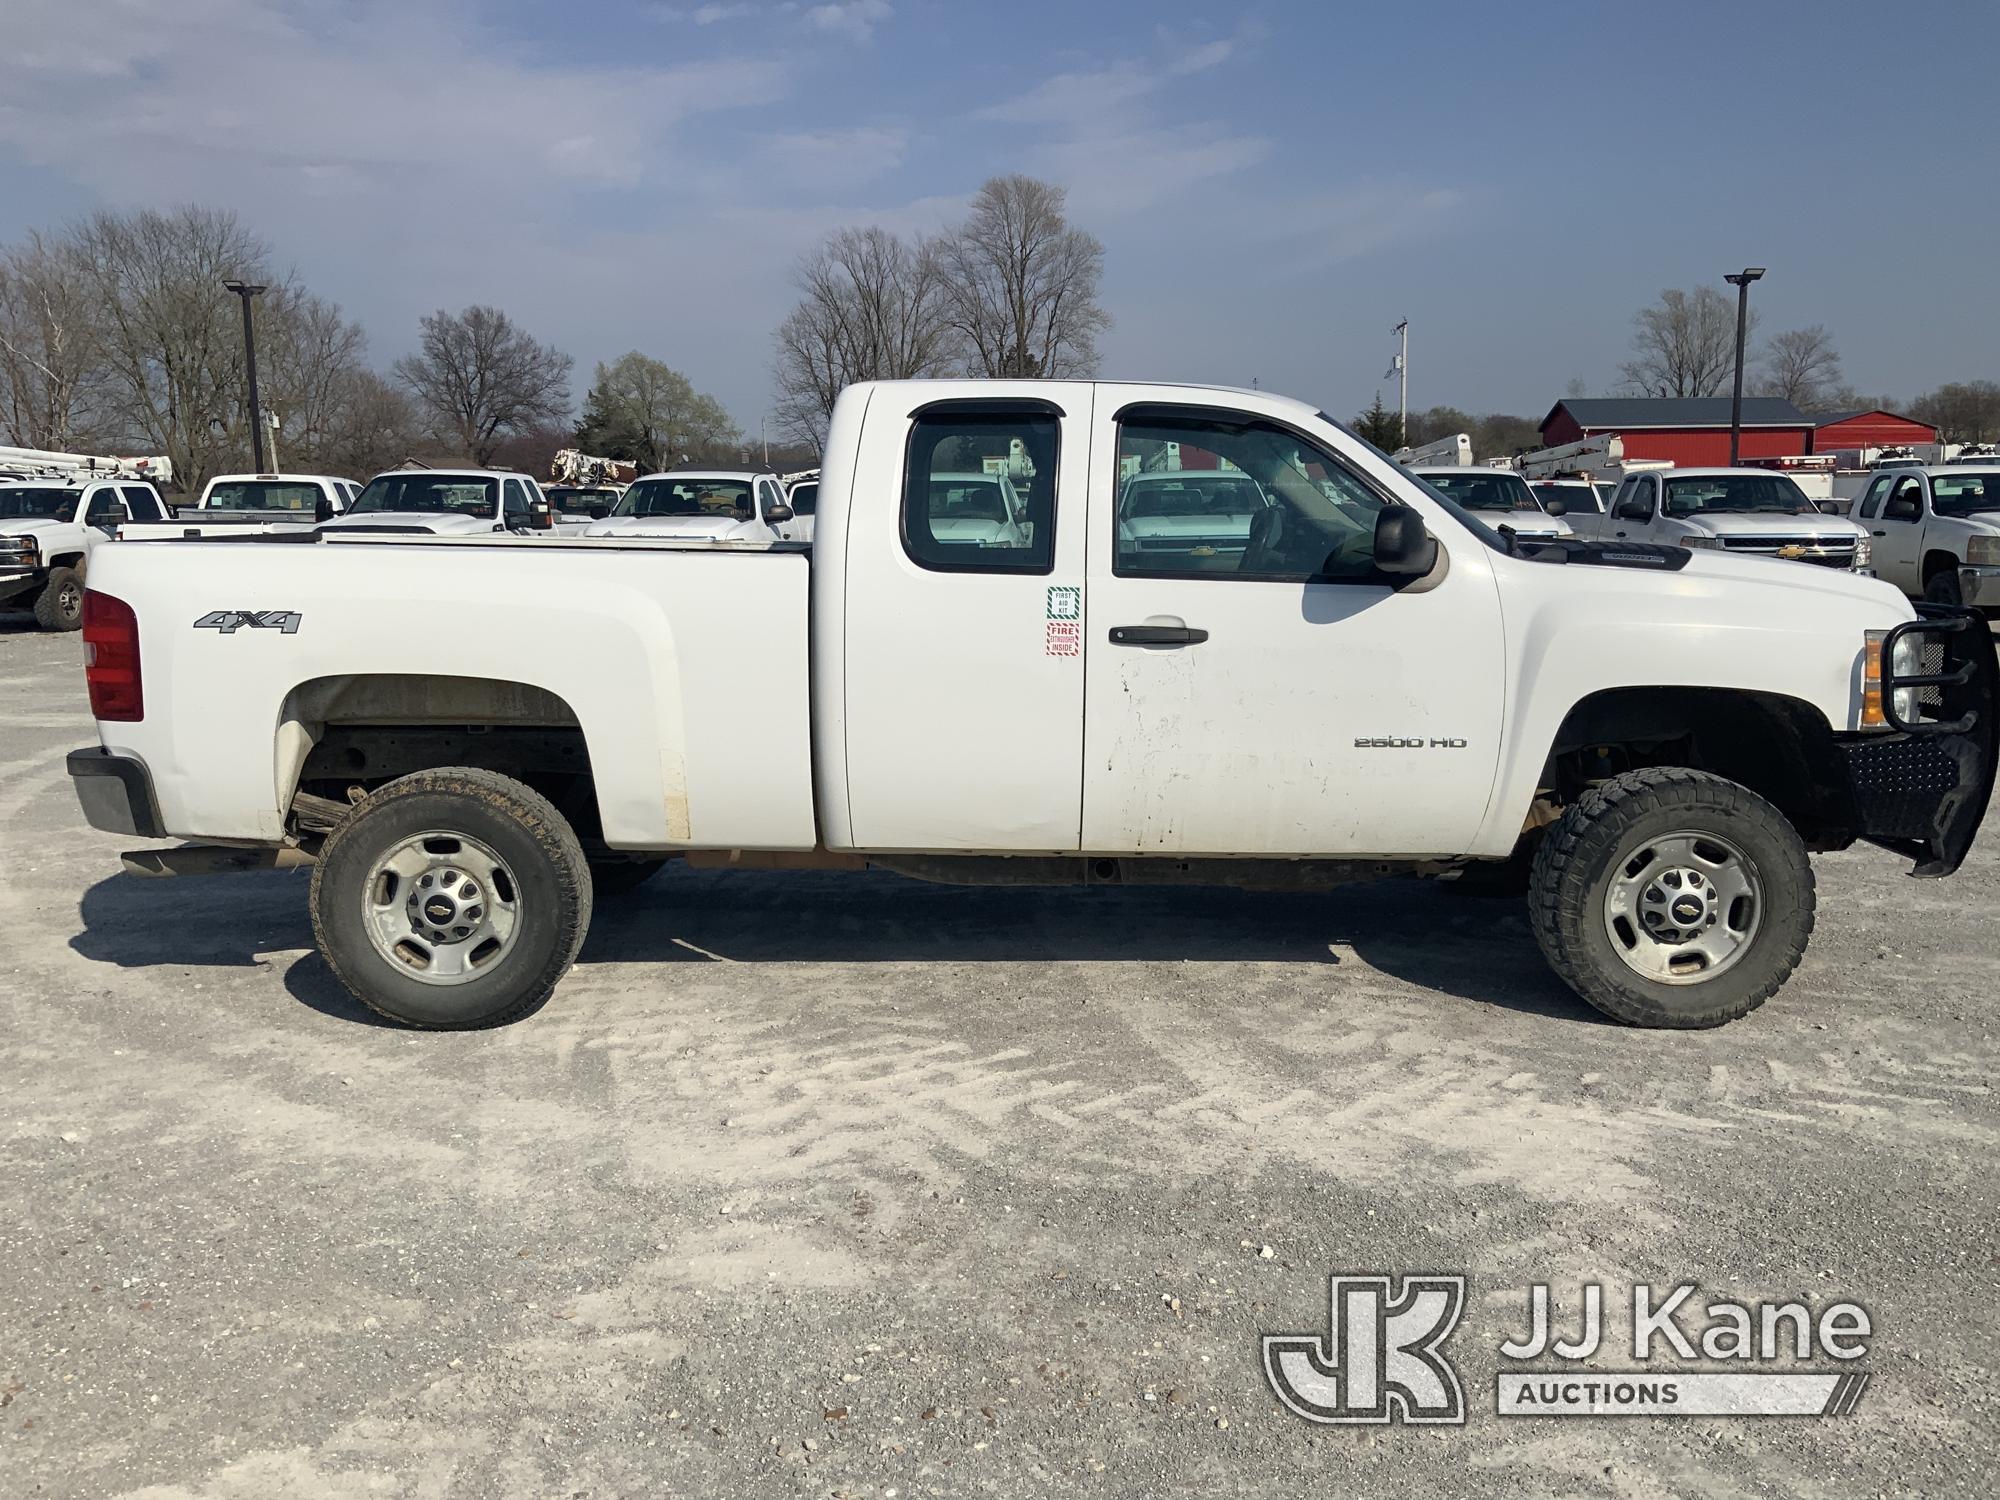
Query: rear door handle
(1156,635)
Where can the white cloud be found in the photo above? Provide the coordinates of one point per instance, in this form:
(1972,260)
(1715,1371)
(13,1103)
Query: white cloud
(853,18)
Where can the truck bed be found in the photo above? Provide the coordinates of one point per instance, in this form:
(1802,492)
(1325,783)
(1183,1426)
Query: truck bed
(684,664)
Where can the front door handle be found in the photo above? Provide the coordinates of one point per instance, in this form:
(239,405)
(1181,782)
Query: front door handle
(1156,635)
(1881,533)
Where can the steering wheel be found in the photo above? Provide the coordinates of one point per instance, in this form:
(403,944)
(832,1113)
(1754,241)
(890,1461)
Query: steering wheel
(1266,545)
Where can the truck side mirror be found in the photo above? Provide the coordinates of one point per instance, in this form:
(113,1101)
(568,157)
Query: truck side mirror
(776,515)
(1403,547)
(541,516)
(1635,510)
(323,509)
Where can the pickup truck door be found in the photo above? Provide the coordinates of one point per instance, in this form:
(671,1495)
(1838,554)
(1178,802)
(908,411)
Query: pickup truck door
(1273,694)
(962,705)
(1897,534)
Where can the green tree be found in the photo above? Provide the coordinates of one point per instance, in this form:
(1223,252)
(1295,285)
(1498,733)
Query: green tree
(1380,426)
(649,413)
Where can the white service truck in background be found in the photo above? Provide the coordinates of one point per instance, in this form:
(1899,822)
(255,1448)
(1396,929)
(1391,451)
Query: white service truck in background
(243,504)
(1936,532)
(1743,512)
(1381,683)
(715,505)
(446,502)
(48,530)
(1500,498)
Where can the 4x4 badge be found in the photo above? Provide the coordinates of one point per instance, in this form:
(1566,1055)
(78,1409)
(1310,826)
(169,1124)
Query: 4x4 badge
(229,621)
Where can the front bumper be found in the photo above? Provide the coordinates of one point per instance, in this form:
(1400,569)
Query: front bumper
(116,792)
(15,581)
(1923,790)
(1980,587)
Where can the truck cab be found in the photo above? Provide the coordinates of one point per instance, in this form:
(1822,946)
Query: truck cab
(49,528)
(445,502)
(717,505)
(1742,512)
(1936,531)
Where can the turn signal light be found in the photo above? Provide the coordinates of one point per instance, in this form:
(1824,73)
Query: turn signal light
(111,658)
(1872,716)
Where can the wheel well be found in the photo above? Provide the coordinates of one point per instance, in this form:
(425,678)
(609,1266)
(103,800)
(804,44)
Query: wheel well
(339,738)
(1938,562)
(66,560)
(1779,747)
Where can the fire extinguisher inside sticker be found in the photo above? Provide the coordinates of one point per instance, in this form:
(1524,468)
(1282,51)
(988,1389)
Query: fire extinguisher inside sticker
(1065,638)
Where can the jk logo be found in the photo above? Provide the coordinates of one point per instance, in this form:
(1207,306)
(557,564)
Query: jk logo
(1379,1360)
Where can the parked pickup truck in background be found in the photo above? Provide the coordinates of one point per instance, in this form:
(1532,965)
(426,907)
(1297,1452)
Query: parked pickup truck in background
(48,530)
(1500,498)
(1381,684)
(716,505)
(240,504)
(447,502)
(1744,512)
(1936,532)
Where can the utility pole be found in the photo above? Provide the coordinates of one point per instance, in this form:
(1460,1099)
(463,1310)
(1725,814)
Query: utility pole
(1741,281)
(246,292)
(1401,369)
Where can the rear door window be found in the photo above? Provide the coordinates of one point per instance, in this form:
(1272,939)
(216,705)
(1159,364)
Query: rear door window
(979,488)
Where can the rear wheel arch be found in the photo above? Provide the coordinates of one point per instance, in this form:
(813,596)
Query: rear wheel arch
(1937,560)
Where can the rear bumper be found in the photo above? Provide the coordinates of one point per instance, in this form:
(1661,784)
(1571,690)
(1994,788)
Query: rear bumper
(1980,587)
(116,792)
(1923,790)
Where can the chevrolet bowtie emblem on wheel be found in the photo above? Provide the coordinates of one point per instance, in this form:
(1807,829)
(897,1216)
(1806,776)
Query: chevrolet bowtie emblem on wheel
(1380,1359)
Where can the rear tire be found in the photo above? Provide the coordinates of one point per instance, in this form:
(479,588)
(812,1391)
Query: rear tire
(451,899)
(59,606)
(1673,898)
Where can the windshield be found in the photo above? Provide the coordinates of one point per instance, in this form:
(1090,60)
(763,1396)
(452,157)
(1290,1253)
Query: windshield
(262,494)
(687,497)
(431,495)
(1485,490)
(568,497)
(20,502)
(1963,494)
(1735,492)
(967,498)
(1574,496)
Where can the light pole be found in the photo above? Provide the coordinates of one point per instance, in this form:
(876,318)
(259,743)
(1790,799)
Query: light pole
(246,291)
(1741,281)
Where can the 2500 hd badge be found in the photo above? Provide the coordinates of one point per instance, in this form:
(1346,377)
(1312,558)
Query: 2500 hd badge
(1393,742)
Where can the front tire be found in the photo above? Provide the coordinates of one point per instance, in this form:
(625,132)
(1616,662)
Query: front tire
(59,606)
(1673,898)
(451,899)
(1945,588)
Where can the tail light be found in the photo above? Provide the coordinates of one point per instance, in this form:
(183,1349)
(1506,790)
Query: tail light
(111,658)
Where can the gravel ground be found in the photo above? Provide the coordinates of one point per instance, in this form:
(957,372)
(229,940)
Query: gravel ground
(842,1185)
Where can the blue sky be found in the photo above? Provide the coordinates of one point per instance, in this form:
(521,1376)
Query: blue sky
(1275,183)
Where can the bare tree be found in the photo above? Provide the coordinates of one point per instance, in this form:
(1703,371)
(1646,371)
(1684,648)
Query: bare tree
(872,307)
(52,384)
(310,358)
(1802,366)
(479,377)
(168,335)
(1022,283)
(1963,411)
(1685,345)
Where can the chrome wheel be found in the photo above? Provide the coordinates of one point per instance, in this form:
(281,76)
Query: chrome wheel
(69,601)
(1682,907)
(441,907)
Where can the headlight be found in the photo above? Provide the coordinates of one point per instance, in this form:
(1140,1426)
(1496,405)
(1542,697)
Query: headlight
(1701,541)
(25,549)
(1983,551)
(1864,555)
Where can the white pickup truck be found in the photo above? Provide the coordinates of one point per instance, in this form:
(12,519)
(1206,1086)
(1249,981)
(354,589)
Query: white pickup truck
(49,529)
(243,504)
(1500,498)
(713,505)
(446,502)
(1936,532)
(1744,512)
(1380,684)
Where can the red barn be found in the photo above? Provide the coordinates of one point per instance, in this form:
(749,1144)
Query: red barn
(1873,428)
(1692,431)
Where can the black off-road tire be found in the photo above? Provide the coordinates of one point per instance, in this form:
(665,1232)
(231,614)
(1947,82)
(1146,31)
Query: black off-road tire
(1575,865)
(523,828)
(59,606)
(612,878)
